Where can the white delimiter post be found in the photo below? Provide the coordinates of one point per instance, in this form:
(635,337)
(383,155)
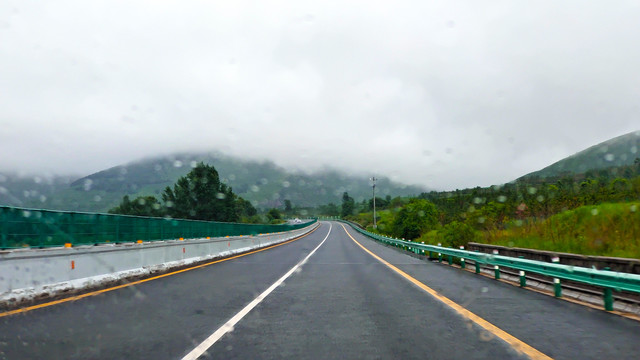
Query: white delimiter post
(374,201)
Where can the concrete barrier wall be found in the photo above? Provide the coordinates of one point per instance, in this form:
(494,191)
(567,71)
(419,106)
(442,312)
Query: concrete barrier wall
(35,272)
(631,266)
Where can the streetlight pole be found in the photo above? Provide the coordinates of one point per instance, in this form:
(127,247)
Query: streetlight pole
(374,202)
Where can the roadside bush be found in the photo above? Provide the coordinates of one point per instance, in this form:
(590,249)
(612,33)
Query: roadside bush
(456,234)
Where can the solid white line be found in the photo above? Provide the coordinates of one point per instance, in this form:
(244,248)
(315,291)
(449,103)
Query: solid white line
(228,326)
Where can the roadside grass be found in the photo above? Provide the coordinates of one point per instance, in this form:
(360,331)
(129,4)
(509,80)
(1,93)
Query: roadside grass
(611,229)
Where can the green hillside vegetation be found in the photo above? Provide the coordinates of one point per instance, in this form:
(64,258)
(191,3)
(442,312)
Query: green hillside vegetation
(581,214)
(611,229)
(616,152)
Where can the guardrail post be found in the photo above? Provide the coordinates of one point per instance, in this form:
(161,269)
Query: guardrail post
(439,257)
(450,259)
(461,263)
(430,254)
(497,272)
(557,288)
(477,267)
(523,279)
(608,299)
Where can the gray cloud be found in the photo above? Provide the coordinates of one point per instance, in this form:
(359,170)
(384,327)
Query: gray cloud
(447,95)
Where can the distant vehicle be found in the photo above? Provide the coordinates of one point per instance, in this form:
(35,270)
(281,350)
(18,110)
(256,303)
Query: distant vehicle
(297,221)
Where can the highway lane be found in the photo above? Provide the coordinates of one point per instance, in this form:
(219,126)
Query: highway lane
(342,303)
(159,319)
(559,329)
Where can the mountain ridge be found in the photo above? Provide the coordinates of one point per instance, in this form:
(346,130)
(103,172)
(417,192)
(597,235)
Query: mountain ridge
(621,150)
(263,183)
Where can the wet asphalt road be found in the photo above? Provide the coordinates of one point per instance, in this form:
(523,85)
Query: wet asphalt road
(342,303)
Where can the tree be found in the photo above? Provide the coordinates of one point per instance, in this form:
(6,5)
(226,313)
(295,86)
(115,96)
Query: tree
(380,203)
(140,206)
(274,215)
(348,205)
(287,206)
(330,209)
(417,217)
(245,209)
(201,196)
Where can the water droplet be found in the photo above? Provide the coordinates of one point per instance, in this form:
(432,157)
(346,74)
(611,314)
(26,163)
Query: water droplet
(220,195)
(486,335)
(633,208)
(97,198)
(264,181)
(193,163)
(286,184)
(87,184)
(502,198)
(540,198)
(177,163)
(609,157)
(594,212)
(532,190)
(255,188)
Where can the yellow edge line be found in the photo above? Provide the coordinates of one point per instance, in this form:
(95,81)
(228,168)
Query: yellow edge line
(97,292)
(514,342)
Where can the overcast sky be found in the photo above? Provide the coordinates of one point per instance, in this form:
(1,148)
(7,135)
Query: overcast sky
(440,93)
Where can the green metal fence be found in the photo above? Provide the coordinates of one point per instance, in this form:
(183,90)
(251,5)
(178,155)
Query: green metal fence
(20,227)
(609,280)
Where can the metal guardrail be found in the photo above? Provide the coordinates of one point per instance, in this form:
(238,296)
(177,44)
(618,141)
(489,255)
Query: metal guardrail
(21,227)
(609,280)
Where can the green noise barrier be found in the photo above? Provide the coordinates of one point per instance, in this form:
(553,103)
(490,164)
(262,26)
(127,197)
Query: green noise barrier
(23,228)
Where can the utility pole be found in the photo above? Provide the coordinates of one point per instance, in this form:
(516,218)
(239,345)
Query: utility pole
(374,201)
